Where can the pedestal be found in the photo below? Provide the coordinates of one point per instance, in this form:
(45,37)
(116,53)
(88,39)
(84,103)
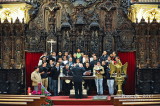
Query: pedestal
(84,91)
(119,81)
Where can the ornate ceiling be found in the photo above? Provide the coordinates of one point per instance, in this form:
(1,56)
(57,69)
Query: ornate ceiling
(13,11)
(146,11)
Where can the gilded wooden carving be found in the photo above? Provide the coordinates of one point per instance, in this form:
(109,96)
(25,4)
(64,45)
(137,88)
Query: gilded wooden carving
(91,25)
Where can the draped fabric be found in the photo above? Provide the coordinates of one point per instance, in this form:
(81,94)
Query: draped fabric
(129,57)
(31,62)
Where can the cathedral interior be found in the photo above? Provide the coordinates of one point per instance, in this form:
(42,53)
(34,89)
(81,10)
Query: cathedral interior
(27,26)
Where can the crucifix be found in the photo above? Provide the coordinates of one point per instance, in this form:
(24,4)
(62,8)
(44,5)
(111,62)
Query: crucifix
(51,41)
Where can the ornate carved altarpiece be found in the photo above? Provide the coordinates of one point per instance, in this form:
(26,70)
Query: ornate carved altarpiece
(91,25)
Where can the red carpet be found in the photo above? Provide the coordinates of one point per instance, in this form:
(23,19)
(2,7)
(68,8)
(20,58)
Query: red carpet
(65,100)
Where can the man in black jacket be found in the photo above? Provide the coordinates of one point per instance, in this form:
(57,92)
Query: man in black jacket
(55,73)
(104,56)
(43,70)
(50,67)
(67,86)
(88,82)
(78,71)
(92,63)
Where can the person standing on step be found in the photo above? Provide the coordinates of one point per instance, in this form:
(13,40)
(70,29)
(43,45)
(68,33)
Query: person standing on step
(99,70)
(50,67)
(78,71)
(36,78)
(44,74)
(55,74)
(110,80)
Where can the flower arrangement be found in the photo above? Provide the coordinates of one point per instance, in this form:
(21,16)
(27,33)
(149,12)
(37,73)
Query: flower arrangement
(41,91)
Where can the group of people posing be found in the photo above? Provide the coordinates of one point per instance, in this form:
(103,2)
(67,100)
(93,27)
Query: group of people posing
(77,65)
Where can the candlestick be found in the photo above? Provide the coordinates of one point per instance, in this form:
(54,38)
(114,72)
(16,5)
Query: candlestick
(29,90)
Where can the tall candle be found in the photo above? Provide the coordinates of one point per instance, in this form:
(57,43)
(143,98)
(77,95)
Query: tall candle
(29,90)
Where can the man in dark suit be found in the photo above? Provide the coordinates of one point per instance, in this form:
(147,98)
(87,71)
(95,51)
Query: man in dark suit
(78,71)
(55,71)
(88,72)
(52,56)
(67,86)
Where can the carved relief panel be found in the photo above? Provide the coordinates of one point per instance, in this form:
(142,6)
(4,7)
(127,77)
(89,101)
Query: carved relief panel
(85,24)
(147,44)
(12,45)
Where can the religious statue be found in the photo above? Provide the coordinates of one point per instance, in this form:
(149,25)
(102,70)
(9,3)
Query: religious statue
(119,72)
